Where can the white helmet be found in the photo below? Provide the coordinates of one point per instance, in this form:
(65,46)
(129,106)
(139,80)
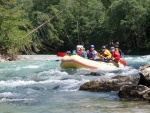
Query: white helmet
(79,46)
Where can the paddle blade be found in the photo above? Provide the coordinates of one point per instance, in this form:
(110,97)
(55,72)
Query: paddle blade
(61,54)
(123,62)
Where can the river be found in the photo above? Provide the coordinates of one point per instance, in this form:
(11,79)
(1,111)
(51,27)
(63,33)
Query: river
(37,84)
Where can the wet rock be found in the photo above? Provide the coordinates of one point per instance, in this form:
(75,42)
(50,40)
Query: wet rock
(143,80)
(134,92)
(91,86)
(145,70)
(93,74)
(107,85)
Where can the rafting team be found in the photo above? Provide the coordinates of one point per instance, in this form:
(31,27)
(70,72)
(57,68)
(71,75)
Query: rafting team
(114,54)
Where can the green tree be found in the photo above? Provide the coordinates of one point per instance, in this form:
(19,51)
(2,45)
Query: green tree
(127,20)
(13,26)
(82,22)
(42,14)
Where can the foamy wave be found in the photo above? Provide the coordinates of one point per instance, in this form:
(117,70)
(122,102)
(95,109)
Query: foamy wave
(70,85)
(7,94)
(129,71)
(138,59)
(32,66)
(15,100)
(56,71)
(31,82)
(11,83)
(53,74)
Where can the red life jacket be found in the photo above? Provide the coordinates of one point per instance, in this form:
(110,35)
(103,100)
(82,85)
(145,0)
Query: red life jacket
(80,53)
(116,55)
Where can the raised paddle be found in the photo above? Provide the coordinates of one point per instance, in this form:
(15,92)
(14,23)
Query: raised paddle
(61,54)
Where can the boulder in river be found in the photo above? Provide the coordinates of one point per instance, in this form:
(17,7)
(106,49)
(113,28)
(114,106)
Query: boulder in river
(143,80)
(134,92)
(109,84)
(145,70)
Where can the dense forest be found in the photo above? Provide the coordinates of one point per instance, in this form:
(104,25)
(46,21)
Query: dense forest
(49,26)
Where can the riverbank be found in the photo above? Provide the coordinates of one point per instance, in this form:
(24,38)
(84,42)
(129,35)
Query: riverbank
(30,57)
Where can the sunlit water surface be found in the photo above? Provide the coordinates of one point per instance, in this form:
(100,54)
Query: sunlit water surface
(39,85)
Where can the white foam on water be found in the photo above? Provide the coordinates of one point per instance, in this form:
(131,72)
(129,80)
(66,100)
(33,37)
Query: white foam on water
(138,59)
(32,66)
(123,72)
(146,56)
(8,94)
(12,83)
(53,74)
(15,100)
(129,71)
(58,72)
(70,85)
(109,75)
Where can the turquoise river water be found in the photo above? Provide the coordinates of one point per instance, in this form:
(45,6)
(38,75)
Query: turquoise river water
(39,85)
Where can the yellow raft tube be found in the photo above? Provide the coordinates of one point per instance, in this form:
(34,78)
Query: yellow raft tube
(75,61)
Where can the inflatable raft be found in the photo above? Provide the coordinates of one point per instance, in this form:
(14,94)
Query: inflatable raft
(75,61)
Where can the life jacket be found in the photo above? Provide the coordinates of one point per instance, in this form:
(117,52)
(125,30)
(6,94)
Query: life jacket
(104,55)
(116,55)
(79,53)
(107,54)
(121,53)
(91,54)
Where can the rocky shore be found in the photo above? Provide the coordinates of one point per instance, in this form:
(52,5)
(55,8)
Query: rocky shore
(29,57)
(128,87)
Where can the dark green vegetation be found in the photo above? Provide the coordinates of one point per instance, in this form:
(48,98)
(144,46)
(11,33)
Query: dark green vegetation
(48,26)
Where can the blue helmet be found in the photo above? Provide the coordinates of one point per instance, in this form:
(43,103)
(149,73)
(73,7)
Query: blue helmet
(91,46)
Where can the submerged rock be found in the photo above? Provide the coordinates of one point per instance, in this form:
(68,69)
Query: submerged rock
(93,74)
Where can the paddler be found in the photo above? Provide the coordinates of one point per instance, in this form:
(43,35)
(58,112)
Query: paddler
(106,55)
(91,53)
(115,55)
(78,51)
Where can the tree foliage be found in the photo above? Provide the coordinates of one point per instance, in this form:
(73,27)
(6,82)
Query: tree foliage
(13,26)
(48,26)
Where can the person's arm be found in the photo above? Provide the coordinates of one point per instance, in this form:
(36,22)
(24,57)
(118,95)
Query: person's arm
(99,55)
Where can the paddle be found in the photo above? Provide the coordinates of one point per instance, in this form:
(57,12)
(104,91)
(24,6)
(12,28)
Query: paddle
(61,54)
(123,62)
